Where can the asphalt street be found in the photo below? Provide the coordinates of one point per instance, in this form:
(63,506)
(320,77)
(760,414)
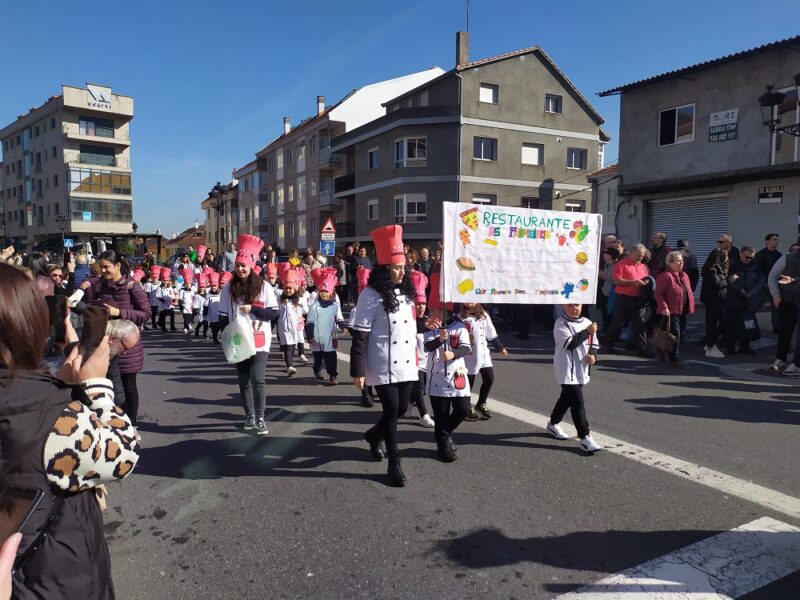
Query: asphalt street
(214,512)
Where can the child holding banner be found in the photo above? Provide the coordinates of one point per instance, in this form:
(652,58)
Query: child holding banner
(575,352)
(479,360)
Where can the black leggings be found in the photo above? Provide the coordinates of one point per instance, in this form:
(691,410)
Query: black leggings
(153,314)
(288,353)
(203,325)
(571,398)
(301,349)
(130,405)
(253,385)
(418,394)
(448,413)
(187,320)
(487,381)
(162,318)
(394,399)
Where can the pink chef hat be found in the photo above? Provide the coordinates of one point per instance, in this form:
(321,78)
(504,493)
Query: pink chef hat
(166,272)
(328,282)
(419,282)
(249,247)
(201,251)
(213,278)
(187,274)
(155,272)
(316,276)
(362,277)
(138,274)
(389,245)
(225,278)
(272,270)
(202,280)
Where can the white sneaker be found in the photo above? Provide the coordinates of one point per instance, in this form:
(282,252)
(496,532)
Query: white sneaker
(714,352)
(589,445)
(303,358)
(779,364)
(792,371)
(426,421)
(556,431)
(290,371)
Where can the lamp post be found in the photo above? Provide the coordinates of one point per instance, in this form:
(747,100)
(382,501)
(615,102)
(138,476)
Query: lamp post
(218,204)
(61,221)
(770,102)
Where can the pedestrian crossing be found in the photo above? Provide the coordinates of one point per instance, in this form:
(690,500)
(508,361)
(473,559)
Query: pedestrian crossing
(723,567)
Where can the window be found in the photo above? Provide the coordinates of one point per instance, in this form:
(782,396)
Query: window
(490,93)
(575,206)
(290,229)
(270,164)
(290,194)
(53,123)
(484,148)
(313,191)
(98,181)
(55,180)
(576,158)
(676,125)
(57,208)
(532,202)
(312,146)
(289,158)
(301,193)
(411,152)
(533,154)
(53,152)
(423,98)
(484,199)
(111,211)
(280,160)
(410,208)
(372,159)
(36,132)
(96,127)
(552,103)
(372,210)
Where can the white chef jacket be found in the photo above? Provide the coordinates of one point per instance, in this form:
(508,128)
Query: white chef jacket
(570,365)
(200,302)
(392,343)
(291,325)
(442,374)
(186,298)
(324,320)
(167,295)
(266,299)
(481,332)
(152,291)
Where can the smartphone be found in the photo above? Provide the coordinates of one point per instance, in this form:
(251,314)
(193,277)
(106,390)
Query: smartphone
(95,320)
(57,306)
(16,507)
(67,257)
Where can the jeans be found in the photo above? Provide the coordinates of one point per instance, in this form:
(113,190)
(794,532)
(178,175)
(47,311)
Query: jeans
(130,405)
(628,308)
(252,384)
(571,398)
(448,413)
(715,322)
(330,363)
(487,380)
(394,399)
(675,329)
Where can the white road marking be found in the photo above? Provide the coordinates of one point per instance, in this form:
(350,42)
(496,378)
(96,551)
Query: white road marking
(723,567)
(739,488)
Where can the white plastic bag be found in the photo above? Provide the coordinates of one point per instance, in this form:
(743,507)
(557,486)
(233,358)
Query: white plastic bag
(237,340)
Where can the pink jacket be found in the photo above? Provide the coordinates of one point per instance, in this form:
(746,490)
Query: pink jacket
(669,294)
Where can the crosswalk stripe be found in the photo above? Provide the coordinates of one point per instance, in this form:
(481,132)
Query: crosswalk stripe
(739,488)
(723,567)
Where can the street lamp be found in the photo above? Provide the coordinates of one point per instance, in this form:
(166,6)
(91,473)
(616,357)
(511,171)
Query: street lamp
(61,221)
(770,102)
(218,204)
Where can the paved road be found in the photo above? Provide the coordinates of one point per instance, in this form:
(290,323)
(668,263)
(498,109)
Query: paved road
(213,512)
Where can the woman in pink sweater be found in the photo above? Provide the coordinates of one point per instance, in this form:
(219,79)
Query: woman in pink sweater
(674,300)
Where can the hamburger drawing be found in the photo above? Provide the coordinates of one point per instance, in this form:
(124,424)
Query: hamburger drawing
(465,264)
(581,258)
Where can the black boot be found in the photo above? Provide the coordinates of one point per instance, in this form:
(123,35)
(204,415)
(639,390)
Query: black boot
(374,438)
(447,451)
(366,401)
(395,472)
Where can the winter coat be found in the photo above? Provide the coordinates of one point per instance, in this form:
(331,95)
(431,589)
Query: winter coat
(670,287)
(129,297)
(745,278)
(715,284)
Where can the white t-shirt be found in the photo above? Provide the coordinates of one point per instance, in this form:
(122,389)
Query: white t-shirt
(392,343)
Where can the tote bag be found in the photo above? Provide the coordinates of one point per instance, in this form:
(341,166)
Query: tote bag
(237,340)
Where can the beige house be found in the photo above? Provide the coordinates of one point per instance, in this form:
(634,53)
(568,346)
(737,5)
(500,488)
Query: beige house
(66,167)
(222,217)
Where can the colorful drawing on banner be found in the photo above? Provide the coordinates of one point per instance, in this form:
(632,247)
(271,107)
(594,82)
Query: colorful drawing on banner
(531,256)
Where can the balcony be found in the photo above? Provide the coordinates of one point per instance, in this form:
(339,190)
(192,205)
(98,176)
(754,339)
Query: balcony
(344,185)
(330,160)
(101,160)
(106,135)
(346,229)
(328,203)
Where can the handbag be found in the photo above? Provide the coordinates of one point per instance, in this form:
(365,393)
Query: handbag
(662,340)
(749,330)
(237,340)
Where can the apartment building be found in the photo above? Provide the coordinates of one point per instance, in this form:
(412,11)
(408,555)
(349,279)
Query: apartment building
(296,169)
(696,159)
(249,183)
(222,216)
(508,130)
(66,169)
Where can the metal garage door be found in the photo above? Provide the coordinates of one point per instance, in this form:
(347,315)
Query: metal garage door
(699,220)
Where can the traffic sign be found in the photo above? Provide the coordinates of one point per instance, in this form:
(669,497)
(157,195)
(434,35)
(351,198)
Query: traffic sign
(328,237)
(327,247)
(69,243)
(328,227)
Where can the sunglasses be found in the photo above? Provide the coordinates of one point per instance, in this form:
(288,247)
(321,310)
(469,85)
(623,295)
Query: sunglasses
(744,256)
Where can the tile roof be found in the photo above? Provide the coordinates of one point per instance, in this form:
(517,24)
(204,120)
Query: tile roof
(703,65)
(604,171)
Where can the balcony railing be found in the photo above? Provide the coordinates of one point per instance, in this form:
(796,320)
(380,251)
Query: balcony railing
(97,159)
(344,183)
(328,202)
(98,132)
(346,229)
(328,159)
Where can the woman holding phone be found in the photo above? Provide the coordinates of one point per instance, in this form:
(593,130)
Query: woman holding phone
(59,436)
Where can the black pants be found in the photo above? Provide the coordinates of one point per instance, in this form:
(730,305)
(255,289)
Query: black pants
(787,317)
(131,403)
(602,306)
(394,399)
(187,321)
(288,353)
(201,325)
(116,380)
(301,349)
(715,322)
(571,398)
(487,381)
(253,385)
(215,331)
(628,308)
(330,363)
(674,327)
(418,394)
(448,413)
(162,319)
(153,313)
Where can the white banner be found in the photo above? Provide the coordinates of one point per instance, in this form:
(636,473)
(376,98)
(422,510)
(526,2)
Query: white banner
(506,255)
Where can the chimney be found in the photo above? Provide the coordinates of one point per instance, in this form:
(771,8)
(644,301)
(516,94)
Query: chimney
(320,105)
(287,125)
(196,224)
(462,48)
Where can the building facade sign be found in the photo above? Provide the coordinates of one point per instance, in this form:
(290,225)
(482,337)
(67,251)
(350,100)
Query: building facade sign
(722,125)
(99,97)
(770,194)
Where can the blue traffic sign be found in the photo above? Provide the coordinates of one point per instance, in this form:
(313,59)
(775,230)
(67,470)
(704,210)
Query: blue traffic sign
(327,247)
(69,243)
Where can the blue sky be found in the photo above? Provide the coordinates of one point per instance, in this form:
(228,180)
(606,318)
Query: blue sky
(213,80)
